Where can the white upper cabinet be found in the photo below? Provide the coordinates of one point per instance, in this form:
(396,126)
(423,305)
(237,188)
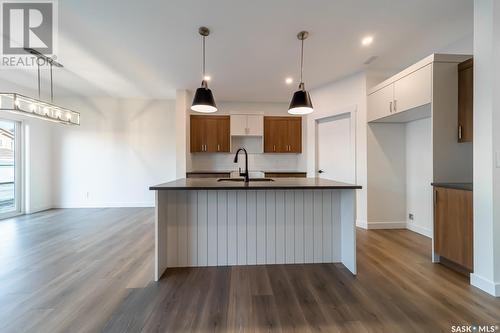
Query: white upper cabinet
(413,90)
(247,125)
(405,91)
(238,124)
(255,125)
(380,103)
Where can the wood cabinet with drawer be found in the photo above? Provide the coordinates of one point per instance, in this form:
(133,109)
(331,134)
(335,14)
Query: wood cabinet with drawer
(209,134)
(453,225)
(282,134)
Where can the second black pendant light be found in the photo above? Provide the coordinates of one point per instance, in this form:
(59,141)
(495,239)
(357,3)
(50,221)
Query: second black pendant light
(203,100)
(301,101)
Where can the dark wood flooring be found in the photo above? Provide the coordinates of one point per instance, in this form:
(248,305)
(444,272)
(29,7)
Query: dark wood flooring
(90,270)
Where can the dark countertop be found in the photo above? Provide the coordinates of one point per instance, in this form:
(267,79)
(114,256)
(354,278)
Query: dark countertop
(456,186)
(277,184)
(226,171)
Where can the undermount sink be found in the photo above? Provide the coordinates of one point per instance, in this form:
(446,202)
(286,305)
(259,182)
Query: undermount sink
(251,174)
(243,179)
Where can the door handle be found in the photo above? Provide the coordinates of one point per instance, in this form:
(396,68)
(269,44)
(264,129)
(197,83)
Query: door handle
(459,132)
(390,106)
(320,171)
(274,147)
(395,107)
(218,147)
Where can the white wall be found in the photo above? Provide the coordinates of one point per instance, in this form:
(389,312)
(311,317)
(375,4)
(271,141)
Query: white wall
(37,152)
(336,98)
(182,101)
(257,161)
(122,147)
(486,146)
(386,176)
(419,176)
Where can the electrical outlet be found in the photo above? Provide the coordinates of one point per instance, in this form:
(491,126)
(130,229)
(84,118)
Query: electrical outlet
(410,216)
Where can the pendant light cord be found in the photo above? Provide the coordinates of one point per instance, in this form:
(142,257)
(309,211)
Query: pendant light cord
(301,59)
(51,85)
(203,65)
(38,76)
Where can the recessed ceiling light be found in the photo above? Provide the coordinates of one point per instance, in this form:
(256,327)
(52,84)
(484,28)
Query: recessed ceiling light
(288,80)
(207,78)
(367,41)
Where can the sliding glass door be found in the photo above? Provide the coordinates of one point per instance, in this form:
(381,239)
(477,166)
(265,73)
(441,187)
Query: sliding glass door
(10,169)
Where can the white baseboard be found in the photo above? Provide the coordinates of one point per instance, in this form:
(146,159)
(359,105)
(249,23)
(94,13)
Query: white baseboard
(104,204)
(486,285)
(361,224)
(419,230)
(34,210)
(386,225)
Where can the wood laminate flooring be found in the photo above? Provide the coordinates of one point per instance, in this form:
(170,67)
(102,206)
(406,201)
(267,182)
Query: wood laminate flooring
(90,270)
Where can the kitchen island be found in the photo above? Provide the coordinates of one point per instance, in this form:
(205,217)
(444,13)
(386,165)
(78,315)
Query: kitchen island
(206,222)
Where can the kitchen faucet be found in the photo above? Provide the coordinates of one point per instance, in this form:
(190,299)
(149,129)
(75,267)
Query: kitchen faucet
(247,179)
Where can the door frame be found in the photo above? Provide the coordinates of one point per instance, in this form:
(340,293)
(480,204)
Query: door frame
(19,169)
(313,122)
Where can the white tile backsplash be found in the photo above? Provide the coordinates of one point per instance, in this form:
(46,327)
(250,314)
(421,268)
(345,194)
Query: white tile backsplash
(256,162)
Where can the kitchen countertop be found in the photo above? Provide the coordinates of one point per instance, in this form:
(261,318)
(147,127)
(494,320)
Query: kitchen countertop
(276,184)
(229,171)
(456,186)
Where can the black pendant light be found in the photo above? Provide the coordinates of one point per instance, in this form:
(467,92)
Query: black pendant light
(203,100)
(301,101)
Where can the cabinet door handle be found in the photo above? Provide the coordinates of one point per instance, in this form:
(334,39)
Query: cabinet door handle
(274,147)
(395,107)
(218,147)
(390,106)
(459,132)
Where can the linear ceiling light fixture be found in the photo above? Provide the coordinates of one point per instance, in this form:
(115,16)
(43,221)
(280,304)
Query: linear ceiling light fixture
(27,106)
(203,100)
(301,101)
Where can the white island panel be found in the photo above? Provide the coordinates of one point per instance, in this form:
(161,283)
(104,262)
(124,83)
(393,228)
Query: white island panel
(248,227)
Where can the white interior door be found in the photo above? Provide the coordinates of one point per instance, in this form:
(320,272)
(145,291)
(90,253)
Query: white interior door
(336,158)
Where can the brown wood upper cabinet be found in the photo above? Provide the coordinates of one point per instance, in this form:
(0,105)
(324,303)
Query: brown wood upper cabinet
(453,225)
(465,100)
(209,134)
(282,134)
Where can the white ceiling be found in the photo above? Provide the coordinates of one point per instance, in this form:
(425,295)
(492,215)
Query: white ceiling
(131,48)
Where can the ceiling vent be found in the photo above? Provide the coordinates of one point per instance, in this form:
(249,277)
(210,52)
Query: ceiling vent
(370,60)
